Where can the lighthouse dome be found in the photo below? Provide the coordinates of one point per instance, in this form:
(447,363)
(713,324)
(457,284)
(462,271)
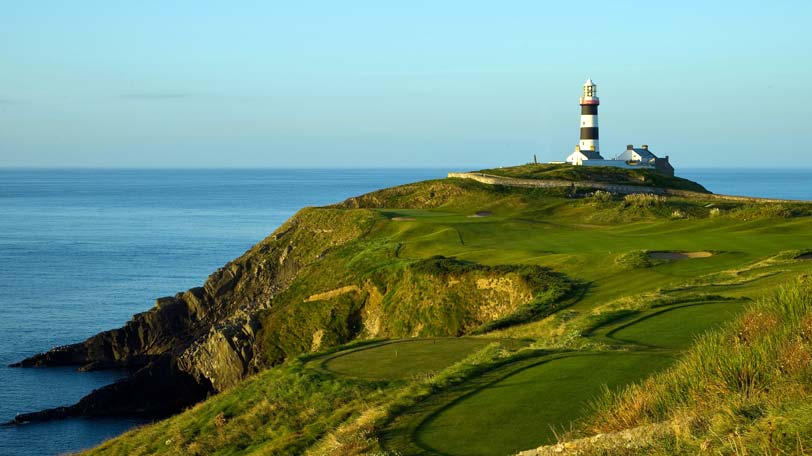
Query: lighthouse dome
(590,91)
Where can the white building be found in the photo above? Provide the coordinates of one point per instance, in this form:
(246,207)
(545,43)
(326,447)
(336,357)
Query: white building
(587,152)
(579,157)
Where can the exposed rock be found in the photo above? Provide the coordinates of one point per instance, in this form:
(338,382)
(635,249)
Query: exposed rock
(315,345)
(247,316)
(199,341)
(332,293)
(225,355)
(159,389)
(501,295)
(147,335)
(373,310)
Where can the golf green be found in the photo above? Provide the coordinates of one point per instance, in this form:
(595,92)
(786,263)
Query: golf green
(677,327)
(525,409)
(403,359)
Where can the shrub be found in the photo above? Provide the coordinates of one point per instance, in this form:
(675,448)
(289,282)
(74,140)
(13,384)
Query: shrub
(715,212)
(636,259)
(644,200)
(601,197)
(766,210)
(439,265)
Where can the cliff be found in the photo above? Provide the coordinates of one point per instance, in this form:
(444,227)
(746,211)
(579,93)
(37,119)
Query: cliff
(317,281)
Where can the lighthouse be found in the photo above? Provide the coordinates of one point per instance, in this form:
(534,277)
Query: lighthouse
(587,152)
(589,118)
(587,148)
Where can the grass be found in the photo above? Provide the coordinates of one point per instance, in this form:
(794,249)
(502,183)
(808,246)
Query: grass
(568,273)
(745,387)
(402,359)
(595,174)
(279,411)
(563,242)
(524,409)
(390,296)
(677,327)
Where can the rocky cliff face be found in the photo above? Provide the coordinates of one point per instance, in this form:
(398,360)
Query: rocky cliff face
(305,287)
(204,338)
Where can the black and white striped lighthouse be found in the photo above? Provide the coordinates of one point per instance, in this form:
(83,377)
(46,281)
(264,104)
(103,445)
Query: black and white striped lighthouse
(589,117)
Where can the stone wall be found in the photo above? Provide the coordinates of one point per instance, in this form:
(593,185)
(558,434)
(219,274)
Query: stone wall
(614,188)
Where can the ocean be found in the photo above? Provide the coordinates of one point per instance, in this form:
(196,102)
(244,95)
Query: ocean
(766,183)
(81,251)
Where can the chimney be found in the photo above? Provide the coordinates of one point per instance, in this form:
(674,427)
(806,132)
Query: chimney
(644,146)
(629,146)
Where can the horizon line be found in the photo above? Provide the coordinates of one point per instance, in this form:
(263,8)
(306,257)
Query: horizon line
(339,167)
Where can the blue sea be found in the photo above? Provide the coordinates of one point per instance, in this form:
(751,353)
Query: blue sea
(83,250)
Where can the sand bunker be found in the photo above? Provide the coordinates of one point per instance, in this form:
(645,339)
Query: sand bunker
(402,219)
(481,214)
(674,256)
(805,256)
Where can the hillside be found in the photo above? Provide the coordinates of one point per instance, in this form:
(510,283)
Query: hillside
(604,174)
(742,389)
(443,316)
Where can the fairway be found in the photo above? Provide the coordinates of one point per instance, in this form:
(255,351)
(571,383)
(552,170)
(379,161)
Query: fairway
(521,411)
(402,359)
(677,327)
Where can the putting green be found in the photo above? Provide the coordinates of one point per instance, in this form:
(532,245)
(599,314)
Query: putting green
(522,410)
(402,359)
(677,327)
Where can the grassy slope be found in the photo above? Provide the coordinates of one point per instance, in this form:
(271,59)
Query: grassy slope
(410,298)
(667,329)
(588,240)
(401,359)
(278,411)
(508,415)
(596,174)
(743,389)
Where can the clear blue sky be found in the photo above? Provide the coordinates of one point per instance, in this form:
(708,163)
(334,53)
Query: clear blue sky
(399,83)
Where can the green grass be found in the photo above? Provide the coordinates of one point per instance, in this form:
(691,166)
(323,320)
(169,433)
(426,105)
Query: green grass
(677,327)
(525,409)
(569,273)
(595,174)
(744,387)
(402,359)
(278,411)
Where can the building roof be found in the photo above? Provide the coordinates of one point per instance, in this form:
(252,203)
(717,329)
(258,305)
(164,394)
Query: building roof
(589,82)
(592,154)
(645,154)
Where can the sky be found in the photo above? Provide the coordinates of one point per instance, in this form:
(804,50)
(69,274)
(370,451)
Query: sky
(360,83)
